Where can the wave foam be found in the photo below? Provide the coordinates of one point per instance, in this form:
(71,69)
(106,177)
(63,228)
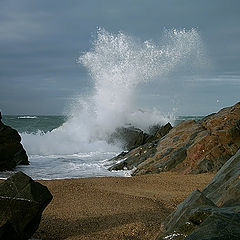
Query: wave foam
(117,64)
(27,117)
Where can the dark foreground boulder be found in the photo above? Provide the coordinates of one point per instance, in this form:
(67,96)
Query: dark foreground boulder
(210,215)
(190,147)
(22,202)
(12,152)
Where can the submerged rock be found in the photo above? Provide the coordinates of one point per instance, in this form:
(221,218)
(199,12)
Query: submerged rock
(190,147)
(12,152)
(22,202)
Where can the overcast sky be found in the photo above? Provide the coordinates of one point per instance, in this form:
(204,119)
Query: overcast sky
(41,40)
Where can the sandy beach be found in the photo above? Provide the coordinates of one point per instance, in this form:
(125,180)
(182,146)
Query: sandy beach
(114,208)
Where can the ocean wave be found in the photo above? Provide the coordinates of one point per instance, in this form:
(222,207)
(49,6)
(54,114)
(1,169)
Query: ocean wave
(117,65)
(27,117)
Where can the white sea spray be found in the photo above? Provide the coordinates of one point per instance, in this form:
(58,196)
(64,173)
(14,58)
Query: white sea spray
(117,64)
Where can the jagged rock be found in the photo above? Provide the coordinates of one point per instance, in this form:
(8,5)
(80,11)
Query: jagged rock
(158,131)
(22,202)
(193,219)
(203,220)
(129,137)
(12,152)
(193,146)
(132,137)
(220,224)
(184,210)
(207,224)
(224,189)
(133,157)
(147,148)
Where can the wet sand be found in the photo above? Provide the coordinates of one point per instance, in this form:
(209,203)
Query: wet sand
(113,208)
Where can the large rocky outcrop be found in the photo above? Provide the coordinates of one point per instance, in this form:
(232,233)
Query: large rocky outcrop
(22,202)
(190,147)
(212,214)
(12,152)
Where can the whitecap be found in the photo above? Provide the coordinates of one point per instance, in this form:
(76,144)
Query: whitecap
(27,117)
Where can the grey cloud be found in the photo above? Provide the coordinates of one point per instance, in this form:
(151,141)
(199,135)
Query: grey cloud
(41,40)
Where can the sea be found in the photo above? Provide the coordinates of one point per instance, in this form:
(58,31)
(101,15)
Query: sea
(58,164)
(76,144)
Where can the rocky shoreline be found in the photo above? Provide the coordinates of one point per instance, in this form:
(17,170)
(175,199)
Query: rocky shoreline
(180,155)
(211,144)
(190,147)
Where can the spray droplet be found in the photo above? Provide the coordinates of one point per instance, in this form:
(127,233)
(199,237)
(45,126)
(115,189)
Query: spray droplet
(117,64)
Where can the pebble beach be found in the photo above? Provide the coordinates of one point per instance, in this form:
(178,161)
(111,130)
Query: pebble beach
(114,208)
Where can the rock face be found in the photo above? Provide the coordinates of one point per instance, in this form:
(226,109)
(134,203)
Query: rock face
(22,202)
(12,152)
(224,189)
(131,137)
(212,214)
(131,159)
(207,224)
(185,210)
(146,148)
(190,147)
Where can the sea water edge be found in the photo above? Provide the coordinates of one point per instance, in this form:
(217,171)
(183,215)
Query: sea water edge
(59,166)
